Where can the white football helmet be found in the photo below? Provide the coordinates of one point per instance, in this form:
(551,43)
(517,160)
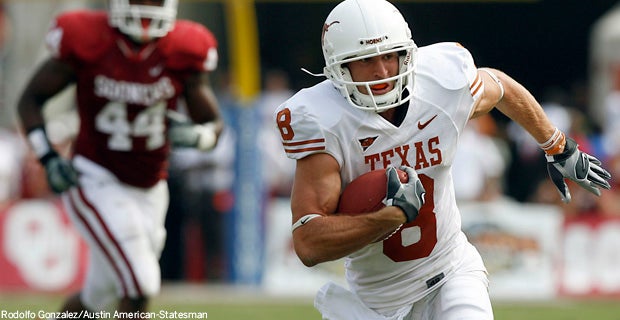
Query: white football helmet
(359,29)
(129,18)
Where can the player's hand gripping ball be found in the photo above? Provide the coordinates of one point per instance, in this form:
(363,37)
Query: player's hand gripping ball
(367,192)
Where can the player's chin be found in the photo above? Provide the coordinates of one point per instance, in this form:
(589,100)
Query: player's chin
(379,93)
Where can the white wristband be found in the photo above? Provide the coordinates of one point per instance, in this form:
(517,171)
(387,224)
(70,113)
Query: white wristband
(551,141)
(206,136)
(304,220)
(39,142)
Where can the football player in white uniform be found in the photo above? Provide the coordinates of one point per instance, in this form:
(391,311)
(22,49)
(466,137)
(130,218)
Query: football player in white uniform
(387,103)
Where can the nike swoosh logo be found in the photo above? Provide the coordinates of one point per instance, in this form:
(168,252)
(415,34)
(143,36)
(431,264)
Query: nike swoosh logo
(304,220)
(422,125)
(582,168)
(155,71)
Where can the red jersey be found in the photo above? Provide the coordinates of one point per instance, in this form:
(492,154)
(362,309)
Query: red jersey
(123,94)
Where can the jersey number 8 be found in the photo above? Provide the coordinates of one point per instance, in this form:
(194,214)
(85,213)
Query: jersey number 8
(414,240)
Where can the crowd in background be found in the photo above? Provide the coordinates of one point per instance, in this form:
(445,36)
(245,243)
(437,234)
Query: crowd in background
(498,160)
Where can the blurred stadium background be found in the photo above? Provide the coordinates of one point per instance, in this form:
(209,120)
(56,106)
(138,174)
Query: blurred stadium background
(229,252)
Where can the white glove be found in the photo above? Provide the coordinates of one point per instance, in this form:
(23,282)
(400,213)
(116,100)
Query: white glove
(189,135)
(578,166)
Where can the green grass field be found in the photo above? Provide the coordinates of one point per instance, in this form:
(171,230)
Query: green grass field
(222,304)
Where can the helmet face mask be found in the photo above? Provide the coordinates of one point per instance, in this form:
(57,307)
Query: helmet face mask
(360,29)
(143,22)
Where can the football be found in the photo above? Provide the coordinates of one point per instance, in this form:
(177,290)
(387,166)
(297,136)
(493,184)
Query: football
(366,193)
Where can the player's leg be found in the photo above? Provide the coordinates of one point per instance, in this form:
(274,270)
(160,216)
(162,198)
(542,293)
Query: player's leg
(127,304)
(98,286)
(464,296)
(73,304)
(126,226)
(146,249)
(337,303)
(97,293)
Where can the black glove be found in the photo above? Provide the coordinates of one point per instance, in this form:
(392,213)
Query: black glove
(190,135)
(60,173)
(578,166)
(407,196)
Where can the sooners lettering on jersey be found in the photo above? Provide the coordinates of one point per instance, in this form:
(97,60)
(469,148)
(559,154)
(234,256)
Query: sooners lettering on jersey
(318,119)
(123,93)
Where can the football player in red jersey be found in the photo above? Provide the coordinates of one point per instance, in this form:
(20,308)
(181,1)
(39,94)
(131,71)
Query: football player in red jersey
(130,65)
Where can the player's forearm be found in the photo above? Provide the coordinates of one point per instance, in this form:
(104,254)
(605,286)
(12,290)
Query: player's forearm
(30,113)
(51,78)
(333,237)
(519,105)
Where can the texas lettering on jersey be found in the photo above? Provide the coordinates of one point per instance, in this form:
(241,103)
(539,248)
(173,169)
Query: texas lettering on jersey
(426,154)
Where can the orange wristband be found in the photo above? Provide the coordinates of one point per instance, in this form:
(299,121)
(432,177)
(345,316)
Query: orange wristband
(555,144)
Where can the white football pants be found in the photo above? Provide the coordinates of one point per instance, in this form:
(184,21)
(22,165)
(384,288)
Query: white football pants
(124,228)
(464,296)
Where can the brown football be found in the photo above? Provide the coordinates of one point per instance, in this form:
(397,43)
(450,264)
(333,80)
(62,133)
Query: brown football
(366,193)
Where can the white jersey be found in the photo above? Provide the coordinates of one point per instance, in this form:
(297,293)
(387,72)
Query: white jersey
(425,252)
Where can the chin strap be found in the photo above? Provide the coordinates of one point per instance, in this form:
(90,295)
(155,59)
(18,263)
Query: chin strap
(312,73)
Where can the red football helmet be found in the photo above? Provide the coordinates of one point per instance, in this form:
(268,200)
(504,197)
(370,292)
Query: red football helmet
(142,20)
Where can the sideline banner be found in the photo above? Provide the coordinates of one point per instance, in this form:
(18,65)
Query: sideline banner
(590,257)
(39,249)
(519,244)
(284,273)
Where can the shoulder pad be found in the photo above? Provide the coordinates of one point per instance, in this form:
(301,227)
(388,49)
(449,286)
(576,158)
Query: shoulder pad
(307,121)
(301,131)
(447,63)
(79,35)
(190,45)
